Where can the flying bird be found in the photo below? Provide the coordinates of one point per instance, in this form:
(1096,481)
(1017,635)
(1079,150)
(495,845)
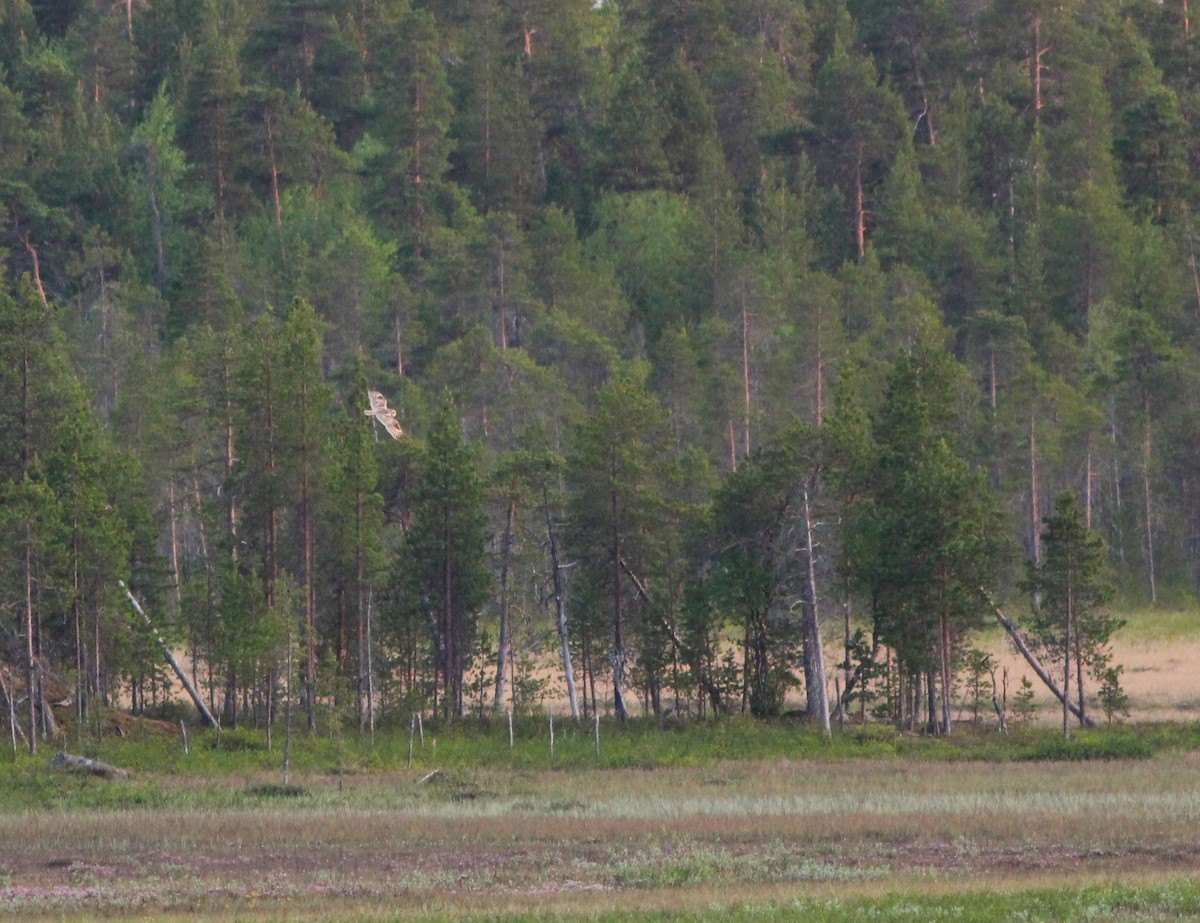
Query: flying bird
(383,413)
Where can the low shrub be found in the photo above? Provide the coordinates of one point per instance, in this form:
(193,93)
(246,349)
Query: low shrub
(1102,745)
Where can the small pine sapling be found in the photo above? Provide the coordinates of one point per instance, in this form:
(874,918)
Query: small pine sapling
(1114,700)
(1023,703)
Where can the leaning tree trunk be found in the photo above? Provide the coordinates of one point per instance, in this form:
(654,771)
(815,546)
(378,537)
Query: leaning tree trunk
(180,673)
(1036,666)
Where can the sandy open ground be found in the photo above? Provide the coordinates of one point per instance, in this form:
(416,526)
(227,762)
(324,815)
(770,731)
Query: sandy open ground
(1161,678)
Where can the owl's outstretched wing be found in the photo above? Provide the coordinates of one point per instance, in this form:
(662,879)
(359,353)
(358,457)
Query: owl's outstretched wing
(383,413)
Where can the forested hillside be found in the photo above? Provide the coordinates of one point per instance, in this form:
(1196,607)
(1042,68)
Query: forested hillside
(710,327)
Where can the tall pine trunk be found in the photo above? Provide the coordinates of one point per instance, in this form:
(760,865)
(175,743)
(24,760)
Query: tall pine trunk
(503,642)
(560,609)
(30,661)
(1147,508)
(814,656)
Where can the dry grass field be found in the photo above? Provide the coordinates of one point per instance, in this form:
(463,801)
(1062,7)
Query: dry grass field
(578,844)
(1160,653)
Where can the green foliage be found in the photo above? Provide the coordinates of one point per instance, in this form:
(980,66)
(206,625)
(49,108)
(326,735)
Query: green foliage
(618,471)
(1071,589)
(1023,704)
(444,568)
(1113,699)
(222,221)
(927,537)
(1081,747)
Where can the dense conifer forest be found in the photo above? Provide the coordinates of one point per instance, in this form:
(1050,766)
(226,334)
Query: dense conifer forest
(720,337)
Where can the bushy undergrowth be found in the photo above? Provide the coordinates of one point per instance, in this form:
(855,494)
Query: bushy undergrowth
(26,784)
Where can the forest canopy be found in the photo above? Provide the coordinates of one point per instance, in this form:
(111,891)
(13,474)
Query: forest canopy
(706,326)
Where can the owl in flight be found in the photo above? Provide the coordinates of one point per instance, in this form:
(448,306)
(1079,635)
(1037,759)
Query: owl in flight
(383,413)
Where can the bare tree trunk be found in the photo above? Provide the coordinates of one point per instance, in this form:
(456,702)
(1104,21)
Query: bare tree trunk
(1036,666)
(814,656)
(618,656)
(37,270)
(450,657)
(1000,698)
(14,729)
(932,724)
(560,608)
(1066,697)
(1087,491)
(1036,67)
(819,415)
(860,215)
(847,668)
(745,374)
(180,673)
(370,675)
(174,517)
(77,624)
(946,676)
(1035,519)
(992,376)
(156,222)
(501,308)
(310,585)
(231,510)
(30,662)
(275,198)
(99,689)
(503,643)
(287,707)
(1147,508)
(360,656)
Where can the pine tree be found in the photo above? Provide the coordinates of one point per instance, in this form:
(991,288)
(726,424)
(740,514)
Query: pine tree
(351,532)
(1070,589)
(616,474)
(929,533)
(445,572)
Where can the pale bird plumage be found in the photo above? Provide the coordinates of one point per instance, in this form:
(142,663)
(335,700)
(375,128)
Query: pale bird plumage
(383,413)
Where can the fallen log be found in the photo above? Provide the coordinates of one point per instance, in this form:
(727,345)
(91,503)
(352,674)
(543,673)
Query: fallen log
(87,767)
(1030,659)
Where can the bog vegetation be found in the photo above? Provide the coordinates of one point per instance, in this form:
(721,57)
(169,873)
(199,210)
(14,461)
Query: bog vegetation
(727,355)
(728,819)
